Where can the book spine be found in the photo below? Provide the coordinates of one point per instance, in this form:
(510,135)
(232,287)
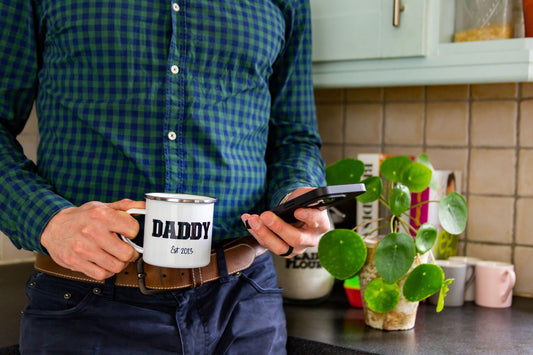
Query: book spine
(368,211)
(420,213)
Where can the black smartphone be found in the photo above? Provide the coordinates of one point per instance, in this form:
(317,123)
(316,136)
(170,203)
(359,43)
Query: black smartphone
(320,198)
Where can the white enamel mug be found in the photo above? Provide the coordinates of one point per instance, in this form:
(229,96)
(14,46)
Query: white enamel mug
(178,230)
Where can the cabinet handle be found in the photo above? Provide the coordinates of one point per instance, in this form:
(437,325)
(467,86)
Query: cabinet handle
(398,7)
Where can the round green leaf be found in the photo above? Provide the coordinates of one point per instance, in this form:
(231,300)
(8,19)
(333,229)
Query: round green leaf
(424,159)
(381,297)
(425,237)
(392,167)
(399,199)
(342,252)
(373,186)
(453,213)
(416,177)
(422,282)
(394,256)
(345,171)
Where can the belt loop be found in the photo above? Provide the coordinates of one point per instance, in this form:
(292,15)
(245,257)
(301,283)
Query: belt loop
(221,263)
(197,280)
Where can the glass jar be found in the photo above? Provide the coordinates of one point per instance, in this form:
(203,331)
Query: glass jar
(528,17)
(481,20)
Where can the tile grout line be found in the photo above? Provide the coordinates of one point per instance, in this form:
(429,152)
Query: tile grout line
(518,101)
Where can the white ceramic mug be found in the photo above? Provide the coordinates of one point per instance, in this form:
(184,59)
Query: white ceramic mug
(452,270)
(470,284)
(178,230)
(494,284)
(302,277)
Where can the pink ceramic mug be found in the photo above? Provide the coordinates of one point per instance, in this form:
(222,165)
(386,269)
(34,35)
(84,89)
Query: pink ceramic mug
(494,284)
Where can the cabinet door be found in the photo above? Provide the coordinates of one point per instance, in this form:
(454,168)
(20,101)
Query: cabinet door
(363,29)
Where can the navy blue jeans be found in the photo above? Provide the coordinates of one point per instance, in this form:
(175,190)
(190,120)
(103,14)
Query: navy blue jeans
(234,315)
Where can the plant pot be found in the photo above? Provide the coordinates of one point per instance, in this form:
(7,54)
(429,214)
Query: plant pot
(352,288)
(402,317)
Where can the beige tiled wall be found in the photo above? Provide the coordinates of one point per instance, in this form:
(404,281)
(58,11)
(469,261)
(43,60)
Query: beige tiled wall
(486,131)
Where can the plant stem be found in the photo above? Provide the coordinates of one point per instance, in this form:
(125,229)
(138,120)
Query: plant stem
(370,221)
(408,215)
(377,229)
(423,203)
(407,226)
(384,202)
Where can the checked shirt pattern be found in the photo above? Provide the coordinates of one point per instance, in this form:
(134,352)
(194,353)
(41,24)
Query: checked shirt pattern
(142,96)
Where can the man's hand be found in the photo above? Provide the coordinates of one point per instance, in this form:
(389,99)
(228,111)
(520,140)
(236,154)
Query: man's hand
(278,236)
(84,238)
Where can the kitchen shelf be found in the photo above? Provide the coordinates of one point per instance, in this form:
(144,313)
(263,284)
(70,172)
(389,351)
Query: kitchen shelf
(498,61)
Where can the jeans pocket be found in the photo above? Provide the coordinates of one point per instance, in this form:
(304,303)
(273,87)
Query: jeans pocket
(50,296)
(262,276)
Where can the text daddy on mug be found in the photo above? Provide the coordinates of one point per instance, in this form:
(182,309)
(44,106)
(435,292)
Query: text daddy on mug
(180,230)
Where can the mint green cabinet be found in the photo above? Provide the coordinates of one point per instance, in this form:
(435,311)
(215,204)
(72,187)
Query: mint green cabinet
(364,29)
(355,44)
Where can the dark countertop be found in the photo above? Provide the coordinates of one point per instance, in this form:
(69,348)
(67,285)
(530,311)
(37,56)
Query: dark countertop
(469,329)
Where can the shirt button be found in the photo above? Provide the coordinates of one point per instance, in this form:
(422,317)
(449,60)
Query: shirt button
(172,135)
(174,69)
(175,7)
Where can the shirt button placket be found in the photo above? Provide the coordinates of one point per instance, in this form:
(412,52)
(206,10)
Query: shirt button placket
(174,116)
(174,70)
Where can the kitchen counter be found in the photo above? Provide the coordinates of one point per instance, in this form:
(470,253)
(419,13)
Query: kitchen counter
(469,329)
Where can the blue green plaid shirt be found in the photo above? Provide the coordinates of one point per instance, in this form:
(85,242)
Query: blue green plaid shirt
(192,96)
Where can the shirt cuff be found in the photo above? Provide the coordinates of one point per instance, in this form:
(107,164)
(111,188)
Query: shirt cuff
(34,217)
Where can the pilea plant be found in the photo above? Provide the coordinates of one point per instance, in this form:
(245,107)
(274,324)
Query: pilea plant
(342,252)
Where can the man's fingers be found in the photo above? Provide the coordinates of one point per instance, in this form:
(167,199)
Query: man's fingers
(313,219)
(267,236)
(126,204)
(85,238)
(124,223)
(94,271)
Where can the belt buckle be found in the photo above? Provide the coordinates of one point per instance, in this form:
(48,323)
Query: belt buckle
(141,276)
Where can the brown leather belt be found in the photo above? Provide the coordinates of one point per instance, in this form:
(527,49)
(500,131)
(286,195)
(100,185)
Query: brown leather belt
(239,253)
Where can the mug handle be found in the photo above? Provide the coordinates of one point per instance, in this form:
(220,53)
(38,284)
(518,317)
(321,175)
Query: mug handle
(511,277)
(127,240)
(472,277)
